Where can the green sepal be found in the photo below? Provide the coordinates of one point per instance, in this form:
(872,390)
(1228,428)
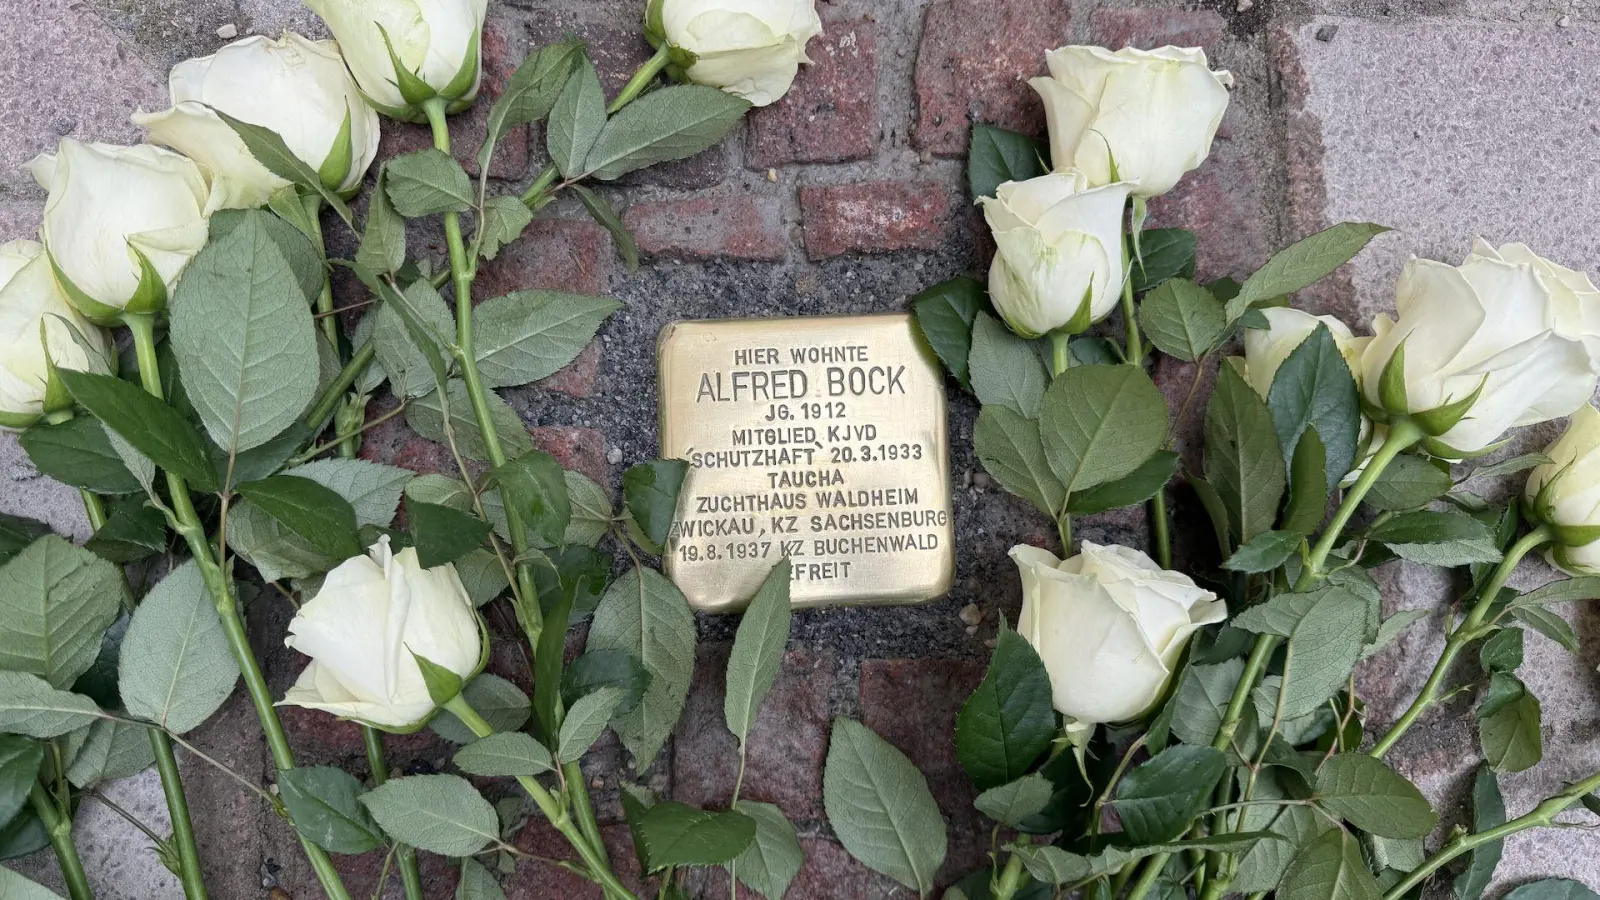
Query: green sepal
(56,396)
(410,114)
(1078,324)
(90,308)
(1437,448)
(415,91)
(335,167)
(1574,535)
(443,684)
(655,28)
(151,295)
(1444,417)
(1392,383)
(19,420)
(465,82)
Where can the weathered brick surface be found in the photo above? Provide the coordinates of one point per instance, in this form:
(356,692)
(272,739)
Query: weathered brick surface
(737,227)
(876,217)
(973,65)
(580,449)
(783,764)
(538,880)
(574,255)
(912,703)
(831,113)
(1148,29)
(362,875)
(577,378)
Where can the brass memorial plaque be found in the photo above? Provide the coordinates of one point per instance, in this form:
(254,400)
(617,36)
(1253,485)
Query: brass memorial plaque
(817,438)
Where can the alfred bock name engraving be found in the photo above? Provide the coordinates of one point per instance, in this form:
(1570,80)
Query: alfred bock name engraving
(820,439)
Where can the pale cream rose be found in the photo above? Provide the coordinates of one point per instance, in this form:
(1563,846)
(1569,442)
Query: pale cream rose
(750,48)
(1565,494)
(35,320)
(436,41)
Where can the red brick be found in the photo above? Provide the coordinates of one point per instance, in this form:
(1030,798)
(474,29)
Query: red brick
(554,254)
(1148,29)
(742,227)
(829,873)
(537,880)
(783,762)
(875,217)
(363,873)
(974,63)
(576,448)
(320,739)
(912,704)
(578,377)
(392,443)
(468,129)
(831,112)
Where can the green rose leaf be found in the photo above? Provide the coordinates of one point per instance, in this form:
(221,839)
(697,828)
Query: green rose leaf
(502,704)
(325,803)
(1100,423)
(757,651)
(676,834)
(1410,482)
(535,485)
(1313,389)
(1158,799)
(651,490)
(1330,868)
(1243,461)
(1488,811)
(1004,369)
(442,814)
(176,667)
(30,706)
(1265,552)
(1164,253)
(576,118)
(646,616)
(1011,450)
(1508,724)
(1303,264)
(441,534)
(880,807)
(56,602)
(153,428)
(315,513)
(1182,319)
(1134,488)
(506,754)
(1008,721)
(78,452)
(945,315)
(670,123)
(1016,801)
(427,182)
(1368,794)
(996,156)
(774,858)
(529,335)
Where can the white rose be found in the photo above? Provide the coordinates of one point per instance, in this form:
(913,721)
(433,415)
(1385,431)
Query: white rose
(111,211)
(1059,262)
(1265,349)
(752,50)
(1110,625)
(29,300)
(297,88)
(1151,113)
(436,43)
(362,629)
(1521,333)
(1564,494)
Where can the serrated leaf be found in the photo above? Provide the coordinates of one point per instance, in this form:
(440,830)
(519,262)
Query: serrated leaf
(1408,483)
(79,453)
(670,123)
(1243,461)
(535,485)
(1008,722)
(607,218)
(1004,369)
(530,93)
(1368,794)
(605,668)
(1011,450)
(646,616)
(20,759)
(1510,466)
(383,238)
(1262,867)
(442,814)
(132,531)
(325,806)
(426,417)
(576,119)
(56,601)
(372,490)
(30,706)
(505,754)
(427,182)
(774,858)
(1323,649)
(880,807)
(1013,802)
(176,667)
(441,534)
(996,156)
(757,653)
(1264,552)
(1157,799)
(1203,694)
(1488,811)
(1136,487)
(585,721)
(314,513)
(16,533)
(477,883)
(1100,423)
(504,218)
(274,550)
(242,332)
(153,428)
(1502,652)
(1508,725)
(529,335)
(1313,389)
(1330,868)
(1182,319)
(114,749)
(651,491)
(1547,623)
(1164,253)
(407,365)
(1303,264)
(269,149)
(1565,590)
(16,887)
(676,834)
(502,704)
(1392,628)
(946,314)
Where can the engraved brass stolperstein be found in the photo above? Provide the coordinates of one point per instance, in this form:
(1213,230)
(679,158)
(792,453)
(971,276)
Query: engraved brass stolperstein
(818,438)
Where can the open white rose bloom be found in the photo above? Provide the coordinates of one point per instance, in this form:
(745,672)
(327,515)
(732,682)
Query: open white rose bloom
(111,211)
(1059,260)
(1521,331)
(1109,625)
(362,630)
(29,300)
(297,88)
(751,48)
(436,42)
(1565,492)
(1146,116)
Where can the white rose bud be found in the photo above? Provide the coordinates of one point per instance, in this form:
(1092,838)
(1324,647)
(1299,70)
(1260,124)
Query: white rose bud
(1059,257)
(121,223)
(752,50)
(1564,494)
(1150,114)
(1109,625)
(405,52)
(362,630)
(297,88)
(36,331)
(1265,349)
(1504,340)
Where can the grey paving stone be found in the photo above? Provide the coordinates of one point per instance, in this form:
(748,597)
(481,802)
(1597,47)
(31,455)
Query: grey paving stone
(24,492)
